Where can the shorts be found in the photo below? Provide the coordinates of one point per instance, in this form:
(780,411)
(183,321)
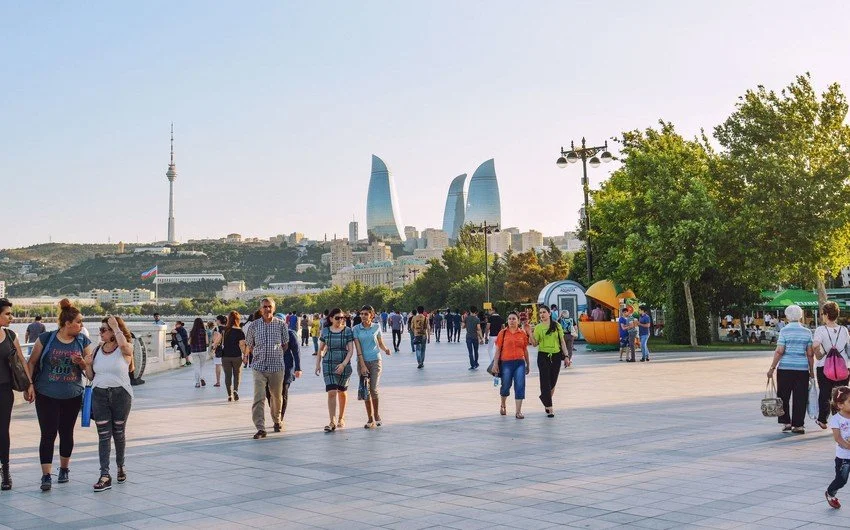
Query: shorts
(341,388)
(624,342)
(217,361)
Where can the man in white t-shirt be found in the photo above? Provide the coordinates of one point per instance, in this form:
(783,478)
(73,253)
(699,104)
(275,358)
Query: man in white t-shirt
(729,320)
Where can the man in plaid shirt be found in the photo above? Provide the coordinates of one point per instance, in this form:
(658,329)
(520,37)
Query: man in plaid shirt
(267,339)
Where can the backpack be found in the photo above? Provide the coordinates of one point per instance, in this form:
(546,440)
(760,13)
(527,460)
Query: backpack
(418,324)
(835,366)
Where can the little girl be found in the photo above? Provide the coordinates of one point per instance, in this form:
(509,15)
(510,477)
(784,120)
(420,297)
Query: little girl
(840,425)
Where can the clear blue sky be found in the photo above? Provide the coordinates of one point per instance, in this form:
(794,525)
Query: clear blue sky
(279,105)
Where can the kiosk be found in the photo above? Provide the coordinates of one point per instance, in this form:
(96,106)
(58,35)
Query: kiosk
(604,335)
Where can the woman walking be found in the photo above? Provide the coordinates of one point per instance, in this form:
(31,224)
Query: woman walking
(9,346)
(112,395)
(826,337)
(548,336)
(511,361)
(231,342)
(214,330)
(315,328)
(334,361)
(58,361)
(795,359)
(198,344)
(369,344)
(180,340)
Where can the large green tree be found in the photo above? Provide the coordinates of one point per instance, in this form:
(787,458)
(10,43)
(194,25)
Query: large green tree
(655,221)
(786,169)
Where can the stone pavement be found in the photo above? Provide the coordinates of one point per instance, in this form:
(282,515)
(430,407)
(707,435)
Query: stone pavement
(675,443)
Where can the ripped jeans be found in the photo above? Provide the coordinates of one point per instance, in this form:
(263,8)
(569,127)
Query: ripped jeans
(842,470)
(110,408)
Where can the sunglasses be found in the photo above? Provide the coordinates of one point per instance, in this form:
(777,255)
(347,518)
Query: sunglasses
(104,330)
(339,318)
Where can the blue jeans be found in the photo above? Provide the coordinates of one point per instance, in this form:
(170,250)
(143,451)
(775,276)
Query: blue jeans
(644,349)
(419,349)
(513,372)
(472,348)
(315,344)
(842,470)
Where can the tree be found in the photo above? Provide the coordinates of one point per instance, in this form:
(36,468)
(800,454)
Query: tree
(655,220)
(786,165)
(468,291)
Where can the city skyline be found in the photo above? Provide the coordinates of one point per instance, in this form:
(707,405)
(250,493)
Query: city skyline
(457,85)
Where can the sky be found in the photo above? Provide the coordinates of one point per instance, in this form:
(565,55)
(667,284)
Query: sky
(278,106)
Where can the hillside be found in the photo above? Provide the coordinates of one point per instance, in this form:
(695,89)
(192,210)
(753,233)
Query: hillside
(255,265)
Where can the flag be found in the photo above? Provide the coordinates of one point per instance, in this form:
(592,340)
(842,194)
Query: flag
(150,272)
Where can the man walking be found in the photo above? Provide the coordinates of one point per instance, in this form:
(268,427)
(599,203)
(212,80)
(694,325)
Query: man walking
(450,325)
(420,330)
(34,330)
(266,341)
(291,372)
(397,326)
(384,318)
(438,324)
(457,319)
(473,336)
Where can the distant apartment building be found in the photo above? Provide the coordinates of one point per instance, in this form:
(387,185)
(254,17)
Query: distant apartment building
(429,253)
(152,250)
(499,242)
(531,240)
(410,232)
(2,289)
(353,232)
(190,254)
(301,268)
(187,278)
(295,238)
(274,289)
(233,239)
(386,273)
(120,296)
(231,290)
(435,239)
(341,255)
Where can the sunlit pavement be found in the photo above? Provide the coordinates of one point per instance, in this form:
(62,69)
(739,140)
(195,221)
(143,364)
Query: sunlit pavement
(675,443)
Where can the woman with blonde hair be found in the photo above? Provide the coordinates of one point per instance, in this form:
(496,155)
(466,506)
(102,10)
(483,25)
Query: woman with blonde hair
(112,395)
(58,361)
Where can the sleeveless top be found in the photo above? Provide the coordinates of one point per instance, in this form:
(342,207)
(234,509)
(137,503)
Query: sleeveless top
(111,370)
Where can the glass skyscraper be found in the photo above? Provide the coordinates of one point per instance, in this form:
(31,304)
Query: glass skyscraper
(383,221)
(483,203)
(453,215)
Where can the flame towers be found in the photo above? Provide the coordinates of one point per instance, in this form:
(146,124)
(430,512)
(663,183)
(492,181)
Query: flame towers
(482,200)
(383,221)
(454,214)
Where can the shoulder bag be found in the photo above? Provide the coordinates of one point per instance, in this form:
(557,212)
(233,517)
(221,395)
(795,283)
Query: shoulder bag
(771,405)
(20,379)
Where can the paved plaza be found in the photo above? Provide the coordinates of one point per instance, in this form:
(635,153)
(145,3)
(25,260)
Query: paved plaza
(675,443)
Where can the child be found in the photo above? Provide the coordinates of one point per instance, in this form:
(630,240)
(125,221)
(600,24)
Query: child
(840,424)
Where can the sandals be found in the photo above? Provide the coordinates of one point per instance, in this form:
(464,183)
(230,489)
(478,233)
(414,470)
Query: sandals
(260,434)
(821,424)
(122,475)
(550,413)
(330,427)
(340,423)
(520,415)
(378,422)
(370,425)
(104,483)
(502,411)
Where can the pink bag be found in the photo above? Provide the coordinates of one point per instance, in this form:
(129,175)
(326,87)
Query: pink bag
(834,366)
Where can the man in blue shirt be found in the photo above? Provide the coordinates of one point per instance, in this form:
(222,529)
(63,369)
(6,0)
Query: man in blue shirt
(644,324)
(384,317)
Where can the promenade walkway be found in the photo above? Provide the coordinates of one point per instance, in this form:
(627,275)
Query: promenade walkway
(675,443)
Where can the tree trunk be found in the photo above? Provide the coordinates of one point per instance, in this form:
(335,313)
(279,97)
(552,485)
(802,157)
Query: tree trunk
(714,322)
(692,323)
(821,293)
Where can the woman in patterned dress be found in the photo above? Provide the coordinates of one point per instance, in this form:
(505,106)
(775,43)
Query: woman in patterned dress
(334,361)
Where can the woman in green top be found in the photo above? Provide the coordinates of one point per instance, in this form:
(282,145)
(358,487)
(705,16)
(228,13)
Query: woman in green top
(548,336)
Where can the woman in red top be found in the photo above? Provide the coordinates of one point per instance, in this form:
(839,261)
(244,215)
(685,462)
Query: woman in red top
(511,358)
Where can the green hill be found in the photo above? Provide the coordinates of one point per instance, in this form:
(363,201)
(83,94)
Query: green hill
(256,266)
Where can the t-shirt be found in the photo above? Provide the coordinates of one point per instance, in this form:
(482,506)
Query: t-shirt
(496,324)
(621,323)
(292,320)
(838,336)
(471,322)
(395,321)
(7,348)
(796,339)
(512,345)
(384,316)
(644,319)
(231,342)
(315,325)
(837,421)
(58,377)
(368,338)
(34,330)
(419,325)
(548,342)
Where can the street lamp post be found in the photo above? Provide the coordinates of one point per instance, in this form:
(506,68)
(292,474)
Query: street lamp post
(485,229)
(587,155)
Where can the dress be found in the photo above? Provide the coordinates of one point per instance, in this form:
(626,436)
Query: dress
(336,353)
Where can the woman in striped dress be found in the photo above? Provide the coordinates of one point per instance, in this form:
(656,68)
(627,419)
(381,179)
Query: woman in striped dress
(334,361)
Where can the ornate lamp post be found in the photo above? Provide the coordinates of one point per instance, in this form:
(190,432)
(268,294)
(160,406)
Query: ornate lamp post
(485,229)
(586,155)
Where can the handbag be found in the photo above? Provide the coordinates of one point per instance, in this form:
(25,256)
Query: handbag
(20,379)
(812,408)
(85,417)
(363,389)
(771,406)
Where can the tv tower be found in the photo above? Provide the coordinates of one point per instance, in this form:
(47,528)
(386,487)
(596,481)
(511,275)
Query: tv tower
(171,175)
